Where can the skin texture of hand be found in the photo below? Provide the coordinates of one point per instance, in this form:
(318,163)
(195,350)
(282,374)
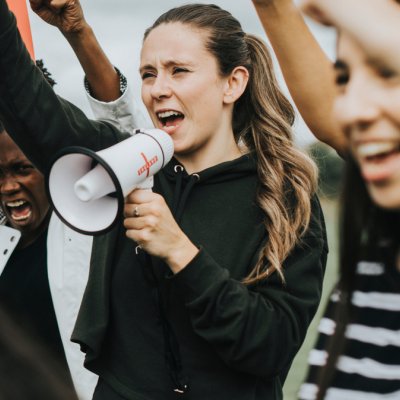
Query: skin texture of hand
(155,229)
(66,15)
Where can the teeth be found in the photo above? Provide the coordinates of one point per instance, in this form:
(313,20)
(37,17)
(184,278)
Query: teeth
(15,203)
(22,217)
(167,114)
(374,149)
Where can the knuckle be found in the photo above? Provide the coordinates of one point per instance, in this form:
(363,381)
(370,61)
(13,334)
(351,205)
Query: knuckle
(151,221)
(145,236)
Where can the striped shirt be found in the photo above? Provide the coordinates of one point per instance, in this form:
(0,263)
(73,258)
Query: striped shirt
(369,367)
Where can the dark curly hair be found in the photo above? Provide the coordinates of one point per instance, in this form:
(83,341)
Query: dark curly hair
(46,73)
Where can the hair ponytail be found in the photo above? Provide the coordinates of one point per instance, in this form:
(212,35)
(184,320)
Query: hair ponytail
(287,176)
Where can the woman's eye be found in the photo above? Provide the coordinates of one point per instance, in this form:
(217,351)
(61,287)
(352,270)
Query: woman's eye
(178,70)
(342,75)
(146,75)
(342,79)
(24,169)
(386,73)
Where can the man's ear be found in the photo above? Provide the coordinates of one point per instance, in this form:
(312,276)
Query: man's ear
(236,84)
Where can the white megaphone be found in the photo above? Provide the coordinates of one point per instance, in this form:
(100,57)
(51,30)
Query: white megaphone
(87,188)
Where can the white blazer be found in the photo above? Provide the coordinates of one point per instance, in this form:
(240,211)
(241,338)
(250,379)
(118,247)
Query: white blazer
(68,254)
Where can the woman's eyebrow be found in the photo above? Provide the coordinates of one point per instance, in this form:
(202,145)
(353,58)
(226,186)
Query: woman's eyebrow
(339,64)
(168,64)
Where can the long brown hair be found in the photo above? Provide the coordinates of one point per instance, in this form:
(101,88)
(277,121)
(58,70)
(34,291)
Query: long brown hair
(367,233)
(262,121)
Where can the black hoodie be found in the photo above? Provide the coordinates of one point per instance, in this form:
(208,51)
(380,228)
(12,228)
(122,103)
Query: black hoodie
(141,326)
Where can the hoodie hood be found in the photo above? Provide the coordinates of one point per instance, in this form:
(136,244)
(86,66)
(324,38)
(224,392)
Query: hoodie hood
(223,172)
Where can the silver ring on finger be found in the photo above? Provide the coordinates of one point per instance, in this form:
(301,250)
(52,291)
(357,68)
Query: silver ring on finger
(136,212)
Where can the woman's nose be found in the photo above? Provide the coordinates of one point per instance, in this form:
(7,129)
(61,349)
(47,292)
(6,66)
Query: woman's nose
(8,184)
(161,88)
(358,107)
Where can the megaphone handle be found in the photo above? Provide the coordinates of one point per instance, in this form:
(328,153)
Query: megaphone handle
(146,184)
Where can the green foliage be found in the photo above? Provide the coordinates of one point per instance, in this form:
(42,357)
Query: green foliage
(331,168)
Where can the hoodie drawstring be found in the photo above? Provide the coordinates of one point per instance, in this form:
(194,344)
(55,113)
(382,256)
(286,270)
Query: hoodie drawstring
(172,349)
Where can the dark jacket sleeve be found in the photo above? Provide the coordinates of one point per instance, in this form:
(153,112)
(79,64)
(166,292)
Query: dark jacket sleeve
(39,121)
(257,330)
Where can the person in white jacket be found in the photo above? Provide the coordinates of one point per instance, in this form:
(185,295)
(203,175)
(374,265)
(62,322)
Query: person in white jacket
(68,253)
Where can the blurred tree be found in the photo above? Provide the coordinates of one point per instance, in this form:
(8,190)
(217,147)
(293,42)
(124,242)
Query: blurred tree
(330,167)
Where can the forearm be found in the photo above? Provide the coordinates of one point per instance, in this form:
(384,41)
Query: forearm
(226,313)
(37,119)
(307,70)
(374,24)
(100,73)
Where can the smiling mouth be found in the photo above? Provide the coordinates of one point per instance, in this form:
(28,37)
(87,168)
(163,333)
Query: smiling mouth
(377,151)
(379,160)
(170,118)
(19,210)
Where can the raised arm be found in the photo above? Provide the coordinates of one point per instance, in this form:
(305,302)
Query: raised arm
(67,16)
(307,70)
(40,122)
(108,92)
(381,40)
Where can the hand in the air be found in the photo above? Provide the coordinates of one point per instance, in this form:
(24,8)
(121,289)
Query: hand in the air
(66,15)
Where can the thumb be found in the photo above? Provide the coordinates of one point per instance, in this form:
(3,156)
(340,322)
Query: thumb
(57,5)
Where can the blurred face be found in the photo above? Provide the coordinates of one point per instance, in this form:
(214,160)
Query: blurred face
(22,191)
(183,90)
(368,109)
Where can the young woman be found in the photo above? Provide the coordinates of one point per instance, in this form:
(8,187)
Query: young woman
(357,355)
(233,248)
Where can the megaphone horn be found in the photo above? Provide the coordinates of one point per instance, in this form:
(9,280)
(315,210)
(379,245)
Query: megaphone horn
(87,188)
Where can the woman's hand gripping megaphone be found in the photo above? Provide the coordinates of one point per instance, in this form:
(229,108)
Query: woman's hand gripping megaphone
(79,192)
(150,223)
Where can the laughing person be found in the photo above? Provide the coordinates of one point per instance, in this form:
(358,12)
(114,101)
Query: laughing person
(357,352)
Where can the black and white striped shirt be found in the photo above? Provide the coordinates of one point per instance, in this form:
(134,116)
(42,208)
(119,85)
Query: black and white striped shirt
(369,368)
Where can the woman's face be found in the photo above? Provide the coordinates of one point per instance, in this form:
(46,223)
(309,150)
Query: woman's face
(22,191)
(368,109)
(183,90)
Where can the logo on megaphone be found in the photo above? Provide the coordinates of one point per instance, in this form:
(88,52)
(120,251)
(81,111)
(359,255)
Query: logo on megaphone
(87,188)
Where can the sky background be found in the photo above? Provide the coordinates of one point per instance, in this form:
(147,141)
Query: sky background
(119,26)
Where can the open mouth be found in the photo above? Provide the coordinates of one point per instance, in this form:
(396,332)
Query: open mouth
(376,152)
(170,118)
(19,210)
(379,161)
